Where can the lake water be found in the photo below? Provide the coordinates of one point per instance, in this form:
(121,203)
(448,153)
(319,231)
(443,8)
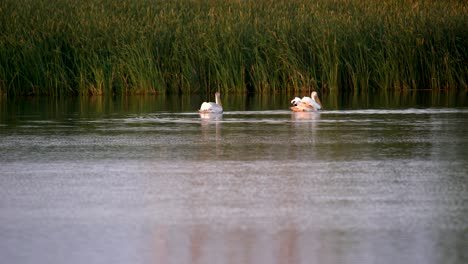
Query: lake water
(149,180)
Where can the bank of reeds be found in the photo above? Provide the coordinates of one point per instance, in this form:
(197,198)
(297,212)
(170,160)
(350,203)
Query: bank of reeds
(61,47)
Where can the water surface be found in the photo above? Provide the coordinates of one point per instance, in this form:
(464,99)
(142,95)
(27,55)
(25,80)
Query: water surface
(139,183)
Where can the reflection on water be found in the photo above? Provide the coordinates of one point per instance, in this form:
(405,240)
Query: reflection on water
(211,116)
(211,132)
(305,115)
(201,245)
(255,186)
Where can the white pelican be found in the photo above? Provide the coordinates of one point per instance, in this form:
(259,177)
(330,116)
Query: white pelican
(307,104)
(211,107)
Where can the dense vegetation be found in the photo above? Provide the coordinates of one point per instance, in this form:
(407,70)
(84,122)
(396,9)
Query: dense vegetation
(64,47)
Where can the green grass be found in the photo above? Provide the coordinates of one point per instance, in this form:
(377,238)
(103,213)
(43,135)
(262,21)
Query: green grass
(64,47)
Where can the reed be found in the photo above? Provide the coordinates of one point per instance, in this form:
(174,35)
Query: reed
(63,47)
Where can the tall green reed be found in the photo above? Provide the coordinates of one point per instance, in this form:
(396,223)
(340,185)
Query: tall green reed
(62,47)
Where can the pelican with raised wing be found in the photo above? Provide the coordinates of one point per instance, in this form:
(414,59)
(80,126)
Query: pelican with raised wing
(210,107)
(307,104)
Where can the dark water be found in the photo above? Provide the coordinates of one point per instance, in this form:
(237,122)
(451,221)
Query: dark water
(149,180)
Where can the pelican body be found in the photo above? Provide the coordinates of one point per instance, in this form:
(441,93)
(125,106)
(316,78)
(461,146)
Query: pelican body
(307,104)
(210,107)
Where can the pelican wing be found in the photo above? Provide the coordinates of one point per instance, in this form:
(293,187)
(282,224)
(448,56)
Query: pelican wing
(316,105)
(307,100)
(312,102)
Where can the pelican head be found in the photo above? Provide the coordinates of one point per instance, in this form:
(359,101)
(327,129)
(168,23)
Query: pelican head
(295,100)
